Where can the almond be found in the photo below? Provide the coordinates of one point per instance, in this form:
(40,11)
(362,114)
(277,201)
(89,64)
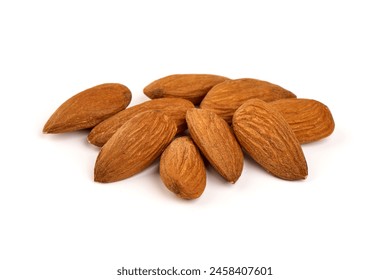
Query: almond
(216,141)
(182,169)
(226,97)
(266,136)
(175,108)
(134,146)
(88,108)
(309,119)
(192,87)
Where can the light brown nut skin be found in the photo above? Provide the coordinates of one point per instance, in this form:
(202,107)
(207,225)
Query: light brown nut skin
(182,169)
(135,146)
(266,136)
(88,108)
(309,119)
(175,108)
(192,87)
(215,139)
(225,98)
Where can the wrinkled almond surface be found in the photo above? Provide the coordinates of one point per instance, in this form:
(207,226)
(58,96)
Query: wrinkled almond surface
(216,141)
(175,108)
(309,119)
(134,146)
(182,169)
(192,87)
(266,136)
(88,108)
(226,97)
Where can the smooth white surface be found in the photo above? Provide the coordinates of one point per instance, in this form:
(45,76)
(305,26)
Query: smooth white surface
(56,223)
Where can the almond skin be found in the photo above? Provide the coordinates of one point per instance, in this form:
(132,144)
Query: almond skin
(215,139)
(182,169)
(266,136)
(192,87)
(309,119)
(175,108)
(88,108)
(134,146)
(225,98)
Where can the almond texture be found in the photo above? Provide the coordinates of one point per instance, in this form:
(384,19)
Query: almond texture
(266,136)
(88,108)
(309,119)
(134,146)
(217,142)
(226,97)
(192,87)
(175,108)
(182,169)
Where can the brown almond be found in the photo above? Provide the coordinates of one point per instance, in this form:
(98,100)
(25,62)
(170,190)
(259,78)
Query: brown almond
(216,141)
(134,146)
(192,87)
(225,98)
(88,108)
(266,136)
(309,119)
(175,108)
(182,169)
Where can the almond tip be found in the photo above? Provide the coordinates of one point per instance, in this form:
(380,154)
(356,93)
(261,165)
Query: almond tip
(46,129)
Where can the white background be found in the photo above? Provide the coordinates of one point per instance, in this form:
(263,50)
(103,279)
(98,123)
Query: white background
(56,223)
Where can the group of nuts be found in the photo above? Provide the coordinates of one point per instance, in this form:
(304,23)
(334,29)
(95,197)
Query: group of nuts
(223,117)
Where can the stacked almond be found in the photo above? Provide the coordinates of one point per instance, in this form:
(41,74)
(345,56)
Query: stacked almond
(192,118)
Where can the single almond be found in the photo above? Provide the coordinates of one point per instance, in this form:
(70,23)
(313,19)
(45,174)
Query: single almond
(88,108)
(216,141)
(175,108)
(134,146)
(225,98)
(309,119)
(192,87)
(182,169)
(266,136)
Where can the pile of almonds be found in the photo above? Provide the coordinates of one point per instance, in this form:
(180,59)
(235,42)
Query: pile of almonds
(223,117)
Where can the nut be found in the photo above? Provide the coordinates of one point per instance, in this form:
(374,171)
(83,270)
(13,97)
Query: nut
(134,146)
(192,87)
(175,108)
(182,169)
(88,108)
(216,141)
(266,136)
(309,119)
(225,98)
